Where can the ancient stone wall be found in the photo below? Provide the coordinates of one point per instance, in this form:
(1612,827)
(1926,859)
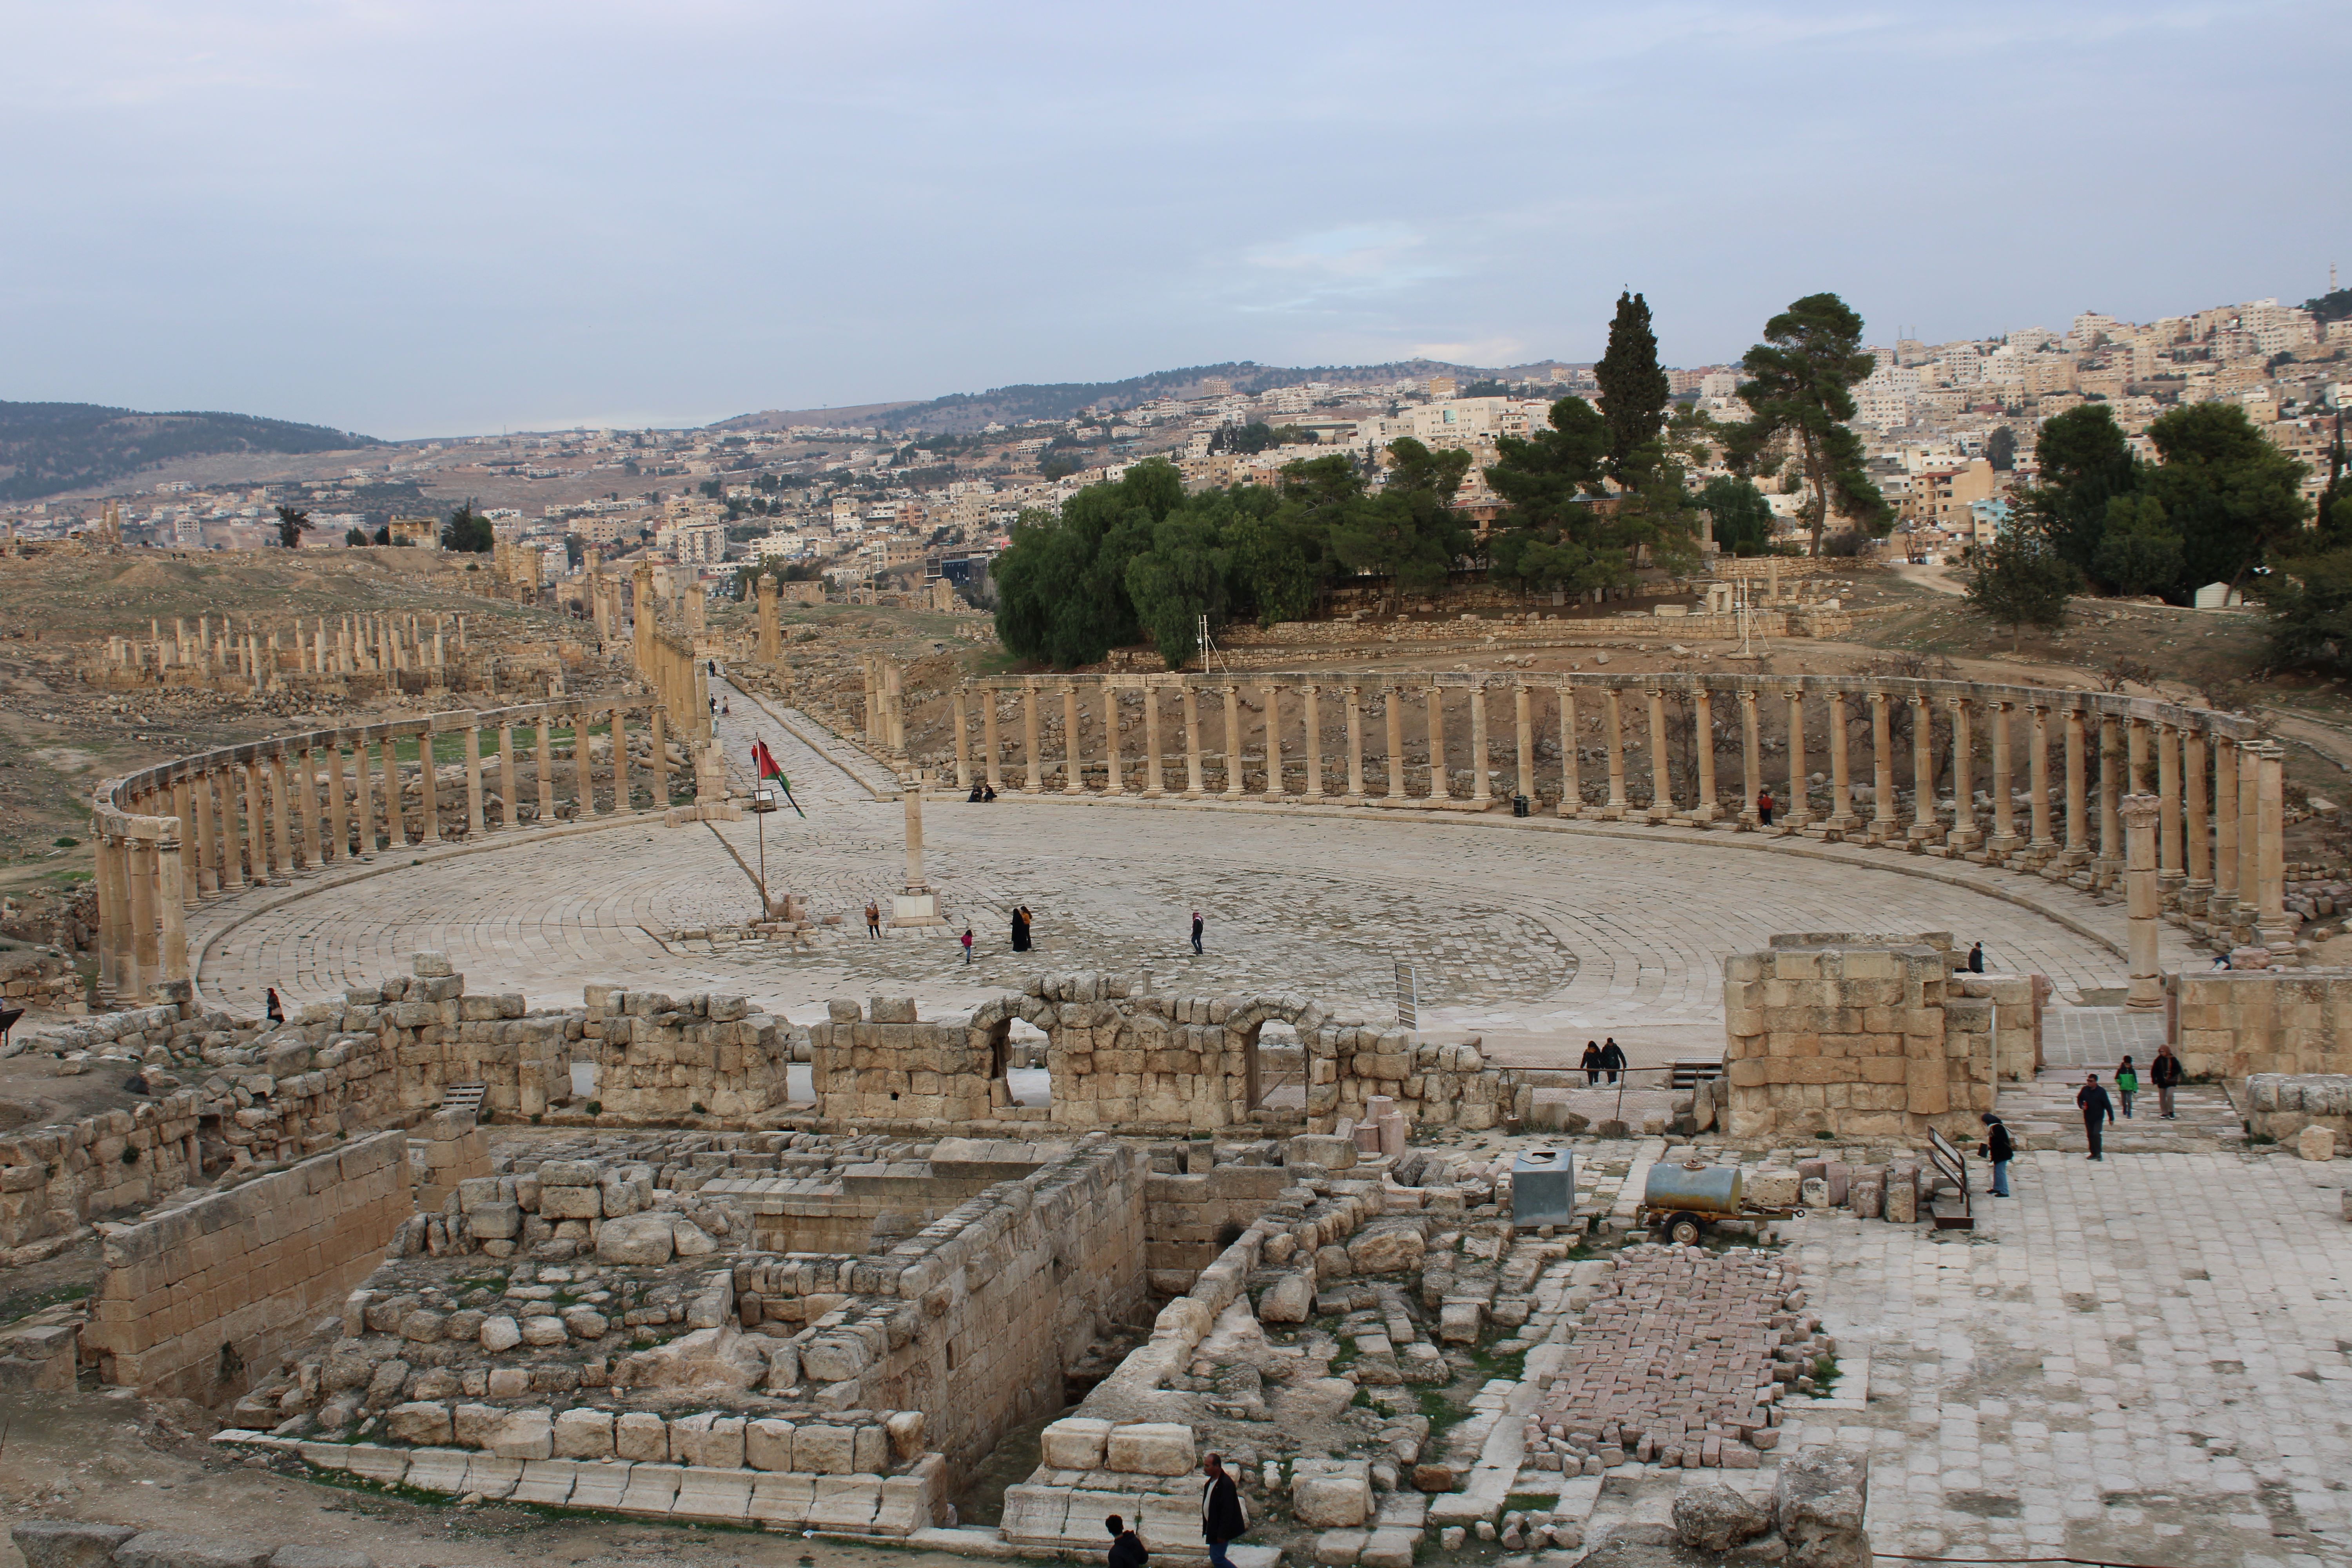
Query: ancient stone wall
(881,1064)
(1860,1041)
(660,1056)
(2232,1024)
(194,1295)
(2281,1105)
(54,1180)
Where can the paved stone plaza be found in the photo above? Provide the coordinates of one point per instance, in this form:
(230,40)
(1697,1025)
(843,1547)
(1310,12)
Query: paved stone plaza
(1537,928)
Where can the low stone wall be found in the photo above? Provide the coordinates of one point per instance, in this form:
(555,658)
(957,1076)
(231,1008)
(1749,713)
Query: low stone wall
(192,1295)
(2236,1023)
(2282,1105)
(54,1180)
(69,1543)
(1860,1040)
(44,981)
(660,1056)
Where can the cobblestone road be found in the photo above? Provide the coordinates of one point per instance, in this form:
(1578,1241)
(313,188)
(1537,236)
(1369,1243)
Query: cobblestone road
(1509,929)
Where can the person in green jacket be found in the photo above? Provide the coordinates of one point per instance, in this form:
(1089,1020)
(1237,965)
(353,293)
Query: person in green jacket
(2127,1085)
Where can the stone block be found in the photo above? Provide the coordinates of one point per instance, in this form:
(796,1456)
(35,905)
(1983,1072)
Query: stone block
(500,1333)
(2315,1143)
(824,1450)
(641,1239)
(1818,1505)
(1289,1299)
(1150,1448)
(1331,1503)
(570,1203)
(66,1543)
(768,1444)
(495,1221)
(1772,1187)
(419,1424)
(1388,1548)
(168,1548)
(1342,1548)
(583,1433)
(1075,1443)
(641,1435)
(1717,1519)
(524,1435)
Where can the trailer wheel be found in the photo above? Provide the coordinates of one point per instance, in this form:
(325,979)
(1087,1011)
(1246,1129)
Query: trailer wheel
(1684,1231)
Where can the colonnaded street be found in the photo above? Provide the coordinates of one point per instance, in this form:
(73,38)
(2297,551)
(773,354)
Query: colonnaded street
(1529,929)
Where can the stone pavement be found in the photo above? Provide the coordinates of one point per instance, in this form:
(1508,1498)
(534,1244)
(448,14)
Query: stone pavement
(1547,933)
(2099,1037)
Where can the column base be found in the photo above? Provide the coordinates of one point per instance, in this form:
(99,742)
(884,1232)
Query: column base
(1614,812)
(1195,793)
(1963,840)
(1313,797)
(2278,938)
(1656,815)
(2003,845)
(1570,809)
(1925,833)
(2193,896)
(2168,885)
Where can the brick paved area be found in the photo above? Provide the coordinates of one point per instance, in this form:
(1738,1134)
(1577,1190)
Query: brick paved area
(1511,928)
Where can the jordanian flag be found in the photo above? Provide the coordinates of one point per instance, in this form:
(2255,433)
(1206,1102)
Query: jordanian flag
(764,765)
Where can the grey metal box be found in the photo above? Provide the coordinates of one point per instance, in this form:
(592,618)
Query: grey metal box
(1543,1188)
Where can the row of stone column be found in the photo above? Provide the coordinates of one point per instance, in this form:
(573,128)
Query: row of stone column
(353,645)
(142,934)
(2218,844)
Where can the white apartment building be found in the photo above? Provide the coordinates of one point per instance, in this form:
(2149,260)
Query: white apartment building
(693,543)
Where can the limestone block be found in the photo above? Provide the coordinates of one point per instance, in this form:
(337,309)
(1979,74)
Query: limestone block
(1458,1321)
(1388,1548)
(1331,1503)
(495,1221)
(524,1435)
(1716,1517)
(584,1322)
(568,1173)
(1813,1191)
(824,1450)
(690,1240)
(870,1451)
(1150,1448)
(641,1239)
(1902,1202)
(2315,1143)
(418,1424)
(1075,1443)
(1818,1506)
(1290,1300)
(904,1430)
(1772,1187)
(543,1332)
(570,1203)
(65,1543)
(500,1333)
(641,1435)
(583,1433)
(1340,1548)
(1387,1246)
(165,1549)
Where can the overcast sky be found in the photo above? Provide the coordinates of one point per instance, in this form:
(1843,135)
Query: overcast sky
(414,219)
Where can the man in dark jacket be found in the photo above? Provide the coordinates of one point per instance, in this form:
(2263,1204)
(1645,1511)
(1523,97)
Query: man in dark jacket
(2165,1073)
(1976,959)
(1126,1547)
(1222,1518)
(2097,1112)
(1997,1148)
(1612,1056)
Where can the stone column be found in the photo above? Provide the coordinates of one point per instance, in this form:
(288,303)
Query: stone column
(1884,825)
(1440,786)
(1392,707)
(1703,733)
(113,912)
(474,829)
(2270,927)
(1524,734)
(961,719)
(1964,835)
(1032,753)
(429,787)
(2139,815)
(139,862)
(2136,742)
(1310,697)
(172,893)
(1662,789)
(621,800)
(1798,806)
(659,736)
(183,807)
(2037,784)
(1482,786)
(1355,701)
(506,773)
(1114,782)
(1752,760)
(1233,743)
(1612,721)
(2078,824)
(546,758)
(306,800)
(1842,816)
(1271,695)
(232,841)
(2250,827)
(1193,789)
(201,810)
(2004,839)
(1153,787)
(1073,774)
(2169,874)
(989,740)
(2224,899)
(363,799)
(261,857)
(1925,827)
(2199,847)
(281,835)
(2110,862)
(1572,764)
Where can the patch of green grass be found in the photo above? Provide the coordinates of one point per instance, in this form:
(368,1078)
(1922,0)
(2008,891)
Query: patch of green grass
(24,1303)
(1825,1373)
(486,1282)
(1529,1502)
(2260,1138)
(1513,1366)
(1443,1413)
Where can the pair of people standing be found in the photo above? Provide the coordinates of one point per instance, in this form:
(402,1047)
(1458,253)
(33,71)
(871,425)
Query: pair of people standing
(1224,1519)
(1602,1059)
(1021,919)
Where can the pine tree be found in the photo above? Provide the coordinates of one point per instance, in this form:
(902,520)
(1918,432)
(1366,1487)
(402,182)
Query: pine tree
(1633,392)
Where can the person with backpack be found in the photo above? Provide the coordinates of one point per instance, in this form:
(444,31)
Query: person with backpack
(1126,1546)
(966,940)
(1223,1520)
(2097,1110)
(2165,1073)
(2127,1085)
(1997,1148)
(1764,808)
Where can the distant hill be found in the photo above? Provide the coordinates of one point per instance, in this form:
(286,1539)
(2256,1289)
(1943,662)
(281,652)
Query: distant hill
(48,448)
(967,411)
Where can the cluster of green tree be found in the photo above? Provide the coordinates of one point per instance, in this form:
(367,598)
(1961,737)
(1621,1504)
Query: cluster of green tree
(2333,306)
(1138,558)
(1256,437)
(747,576)
(2309,590)
(47,449)
(467,532)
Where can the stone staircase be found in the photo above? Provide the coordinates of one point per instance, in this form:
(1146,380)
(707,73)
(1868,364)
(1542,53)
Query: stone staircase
(2042,1115)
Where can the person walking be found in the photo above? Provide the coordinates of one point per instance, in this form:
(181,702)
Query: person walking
(1764,808)
(874,920)
(1196,930)
(2127,1085)
(1976,959)
(2165,1073)
(1612,1056)
(2097,1112)
(275,1010)
(1223,1517)
(1591,1062)
(1997,1148)
(1020,928)
(966,940)
(1126,1546)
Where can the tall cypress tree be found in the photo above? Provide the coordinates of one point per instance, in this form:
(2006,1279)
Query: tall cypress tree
(1633,394)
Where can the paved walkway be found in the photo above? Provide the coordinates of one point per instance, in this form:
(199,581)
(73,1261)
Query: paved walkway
(1535,930)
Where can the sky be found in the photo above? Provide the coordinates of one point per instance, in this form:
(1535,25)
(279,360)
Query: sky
(428,219)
